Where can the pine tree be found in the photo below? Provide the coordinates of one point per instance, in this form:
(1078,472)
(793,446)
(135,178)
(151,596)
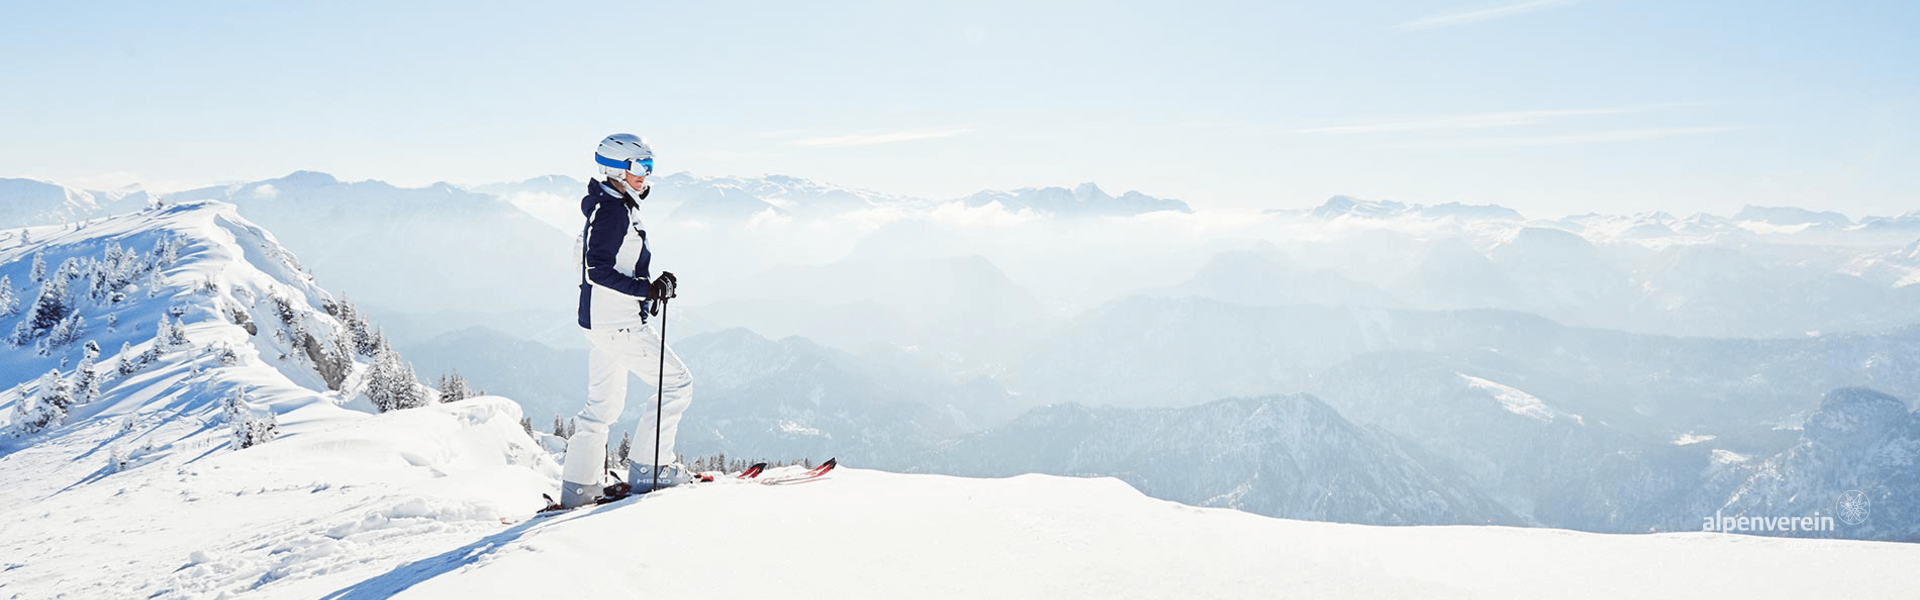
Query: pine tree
(359,331)
(65,332)
(166,252)
(453,387)
(176,334)
(559,427)
(51,306)
(126,367)
(249,429)
(377,390)
(571,429)
(407,392)
(46,409)
(391,382)
(22,333)
(341,347)
(39,272)
(526,424)
(235,408)
(168,336)
(96,285)
(88,386)
(9,304)
(626,446)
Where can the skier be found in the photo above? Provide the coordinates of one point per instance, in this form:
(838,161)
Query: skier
(617,297)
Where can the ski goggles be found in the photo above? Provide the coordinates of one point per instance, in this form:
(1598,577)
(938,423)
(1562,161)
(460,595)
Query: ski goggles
(639,168)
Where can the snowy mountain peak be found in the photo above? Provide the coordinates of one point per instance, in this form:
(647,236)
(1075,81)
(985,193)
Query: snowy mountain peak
(1088,192)
(1085,199)
(1858,414)
(1791,215)
(1343,206)
(25,202)
(308,178)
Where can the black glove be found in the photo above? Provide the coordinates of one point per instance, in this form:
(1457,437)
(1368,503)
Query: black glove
(663,287)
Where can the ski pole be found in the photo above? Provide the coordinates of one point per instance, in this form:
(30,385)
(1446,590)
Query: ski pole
(660,383)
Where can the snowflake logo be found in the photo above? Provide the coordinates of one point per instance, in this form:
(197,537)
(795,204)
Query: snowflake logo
(1853,507)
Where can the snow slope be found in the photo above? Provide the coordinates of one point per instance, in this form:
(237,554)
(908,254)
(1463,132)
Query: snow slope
(433,503)
(294,518)
(868,534)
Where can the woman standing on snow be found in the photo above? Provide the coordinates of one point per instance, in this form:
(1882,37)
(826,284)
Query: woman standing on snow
(617,296)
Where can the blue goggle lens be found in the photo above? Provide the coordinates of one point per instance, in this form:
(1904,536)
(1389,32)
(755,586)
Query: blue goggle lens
(642,167)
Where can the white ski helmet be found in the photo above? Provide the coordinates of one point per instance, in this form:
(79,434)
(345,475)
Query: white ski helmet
(623,153)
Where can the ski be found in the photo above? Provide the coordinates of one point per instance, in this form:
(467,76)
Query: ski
(620,490)
(753,471)
(811,474)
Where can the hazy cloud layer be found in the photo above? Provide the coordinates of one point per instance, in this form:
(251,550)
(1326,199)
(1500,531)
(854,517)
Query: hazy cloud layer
(1481,14)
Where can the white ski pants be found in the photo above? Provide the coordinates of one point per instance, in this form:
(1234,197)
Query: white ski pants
(613,354)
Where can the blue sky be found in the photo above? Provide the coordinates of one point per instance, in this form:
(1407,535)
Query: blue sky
(1549,106)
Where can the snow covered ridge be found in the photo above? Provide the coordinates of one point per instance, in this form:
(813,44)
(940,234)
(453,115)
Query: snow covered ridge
(180,310)
(31,202)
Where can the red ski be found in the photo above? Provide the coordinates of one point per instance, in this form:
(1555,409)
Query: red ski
(812,474)
(753,471)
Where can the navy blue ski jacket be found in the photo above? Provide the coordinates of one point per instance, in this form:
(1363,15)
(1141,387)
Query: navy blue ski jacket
(613,260)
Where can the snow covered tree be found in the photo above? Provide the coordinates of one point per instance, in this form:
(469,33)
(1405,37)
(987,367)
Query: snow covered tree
(249,429)
(391,382)
(571,429)
(453,387)
(39,272)
(46,409)
(94,283)
(9,304)
(380,375)
(526,424)
(407,391)
(51,306)
(65,332)
(226,354)
(559,427)
(166,252)
(176,334)
(87,378)
(70,269)
(283,308)
(341,347)
(127,366)
(164,334)
(357,329)
(626,446)
(151,356)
